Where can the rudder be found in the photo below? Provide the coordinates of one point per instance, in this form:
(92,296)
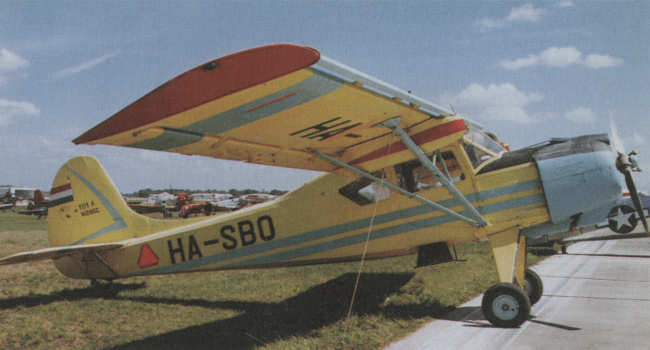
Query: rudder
(39,198)
(86,207)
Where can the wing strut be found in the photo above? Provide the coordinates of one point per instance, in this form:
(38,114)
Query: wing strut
(106,264)
(371,177)
(393,124)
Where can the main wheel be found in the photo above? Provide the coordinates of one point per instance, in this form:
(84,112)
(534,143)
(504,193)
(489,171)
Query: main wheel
(533,286)
(506,305)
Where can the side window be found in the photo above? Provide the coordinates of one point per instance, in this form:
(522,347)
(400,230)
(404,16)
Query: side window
(364,191)
(480,147)
(414,177)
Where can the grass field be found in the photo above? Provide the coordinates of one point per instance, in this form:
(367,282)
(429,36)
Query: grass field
(289,308)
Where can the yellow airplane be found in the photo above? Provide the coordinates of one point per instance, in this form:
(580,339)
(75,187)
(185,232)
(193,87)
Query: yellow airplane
(402,176)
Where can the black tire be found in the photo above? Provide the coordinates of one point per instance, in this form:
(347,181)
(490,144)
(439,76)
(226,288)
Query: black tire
(533,286)
(506,305)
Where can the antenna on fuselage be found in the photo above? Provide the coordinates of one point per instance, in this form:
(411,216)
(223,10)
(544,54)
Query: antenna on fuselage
(452,107)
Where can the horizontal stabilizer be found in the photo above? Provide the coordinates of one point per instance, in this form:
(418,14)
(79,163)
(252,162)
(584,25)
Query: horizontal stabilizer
(58,252)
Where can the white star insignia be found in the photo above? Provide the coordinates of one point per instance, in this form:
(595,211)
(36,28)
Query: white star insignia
(622,219)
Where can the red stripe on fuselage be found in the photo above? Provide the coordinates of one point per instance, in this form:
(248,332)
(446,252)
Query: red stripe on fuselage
(420,138)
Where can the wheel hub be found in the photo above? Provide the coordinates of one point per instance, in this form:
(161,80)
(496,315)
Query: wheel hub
(505,307)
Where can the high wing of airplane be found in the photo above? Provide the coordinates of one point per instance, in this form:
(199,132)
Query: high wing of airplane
(295,102)
(402,176)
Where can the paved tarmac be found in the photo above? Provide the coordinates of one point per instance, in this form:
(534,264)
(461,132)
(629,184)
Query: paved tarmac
(595,297)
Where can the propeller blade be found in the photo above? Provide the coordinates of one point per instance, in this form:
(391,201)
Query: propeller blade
(626,165)
(616,140)
(629,181)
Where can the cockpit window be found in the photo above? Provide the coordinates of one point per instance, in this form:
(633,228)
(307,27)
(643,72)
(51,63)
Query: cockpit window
(480,147)
(364,191)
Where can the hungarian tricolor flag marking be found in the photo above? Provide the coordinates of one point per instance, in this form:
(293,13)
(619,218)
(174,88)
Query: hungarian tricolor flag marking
(60,195)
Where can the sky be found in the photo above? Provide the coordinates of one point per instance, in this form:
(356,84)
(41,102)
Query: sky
(528,71)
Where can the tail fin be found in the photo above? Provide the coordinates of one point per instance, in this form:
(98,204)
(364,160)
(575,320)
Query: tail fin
(39,198)
(85,207)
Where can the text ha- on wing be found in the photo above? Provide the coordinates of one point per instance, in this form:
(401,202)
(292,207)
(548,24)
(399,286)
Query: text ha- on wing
(274,105)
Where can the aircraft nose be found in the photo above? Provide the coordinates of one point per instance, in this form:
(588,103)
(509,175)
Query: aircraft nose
(580,181)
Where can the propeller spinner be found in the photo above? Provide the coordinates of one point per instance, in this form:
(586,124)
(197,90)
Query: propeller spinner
(626,163)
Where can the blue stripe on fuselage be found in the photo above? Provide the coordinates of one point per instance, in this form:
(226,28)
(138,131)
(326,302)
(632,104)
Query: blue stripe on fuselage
(356,225)
(383,233)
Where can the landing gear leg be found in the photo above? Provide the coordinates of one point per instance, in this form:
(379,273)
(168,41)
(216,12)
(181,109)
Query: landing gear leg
(506,304)
(103,290)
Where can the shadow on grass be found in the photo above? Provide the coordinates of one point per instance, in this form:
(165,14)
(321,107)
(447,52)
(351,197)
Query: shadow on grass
(264,323)
(90,292)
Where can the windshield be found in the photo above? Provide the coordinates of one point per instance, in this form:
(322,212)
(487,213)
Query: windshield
(480,147)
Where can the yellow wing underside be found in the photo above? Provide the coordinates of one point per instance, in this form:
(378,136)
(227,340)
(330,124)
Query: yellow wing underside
(280,122)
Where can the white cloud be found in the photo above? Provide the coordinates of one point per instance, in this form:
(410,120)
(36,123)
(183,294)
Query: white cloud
(566,3)
(525,13)
(82,67)
(519,63)
(11,111)
(502,102)
(493,95)
(580,115)
(10,61)
(602,61)
(562,57)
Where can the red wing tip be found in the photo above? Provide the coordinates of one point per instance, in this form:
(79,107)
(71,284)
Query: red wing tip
(90,136)
(124,120)
(81,139)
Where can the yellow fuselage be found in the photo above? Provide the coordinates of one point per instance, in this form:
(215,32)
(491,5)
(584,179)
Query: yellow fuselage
(317,224)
